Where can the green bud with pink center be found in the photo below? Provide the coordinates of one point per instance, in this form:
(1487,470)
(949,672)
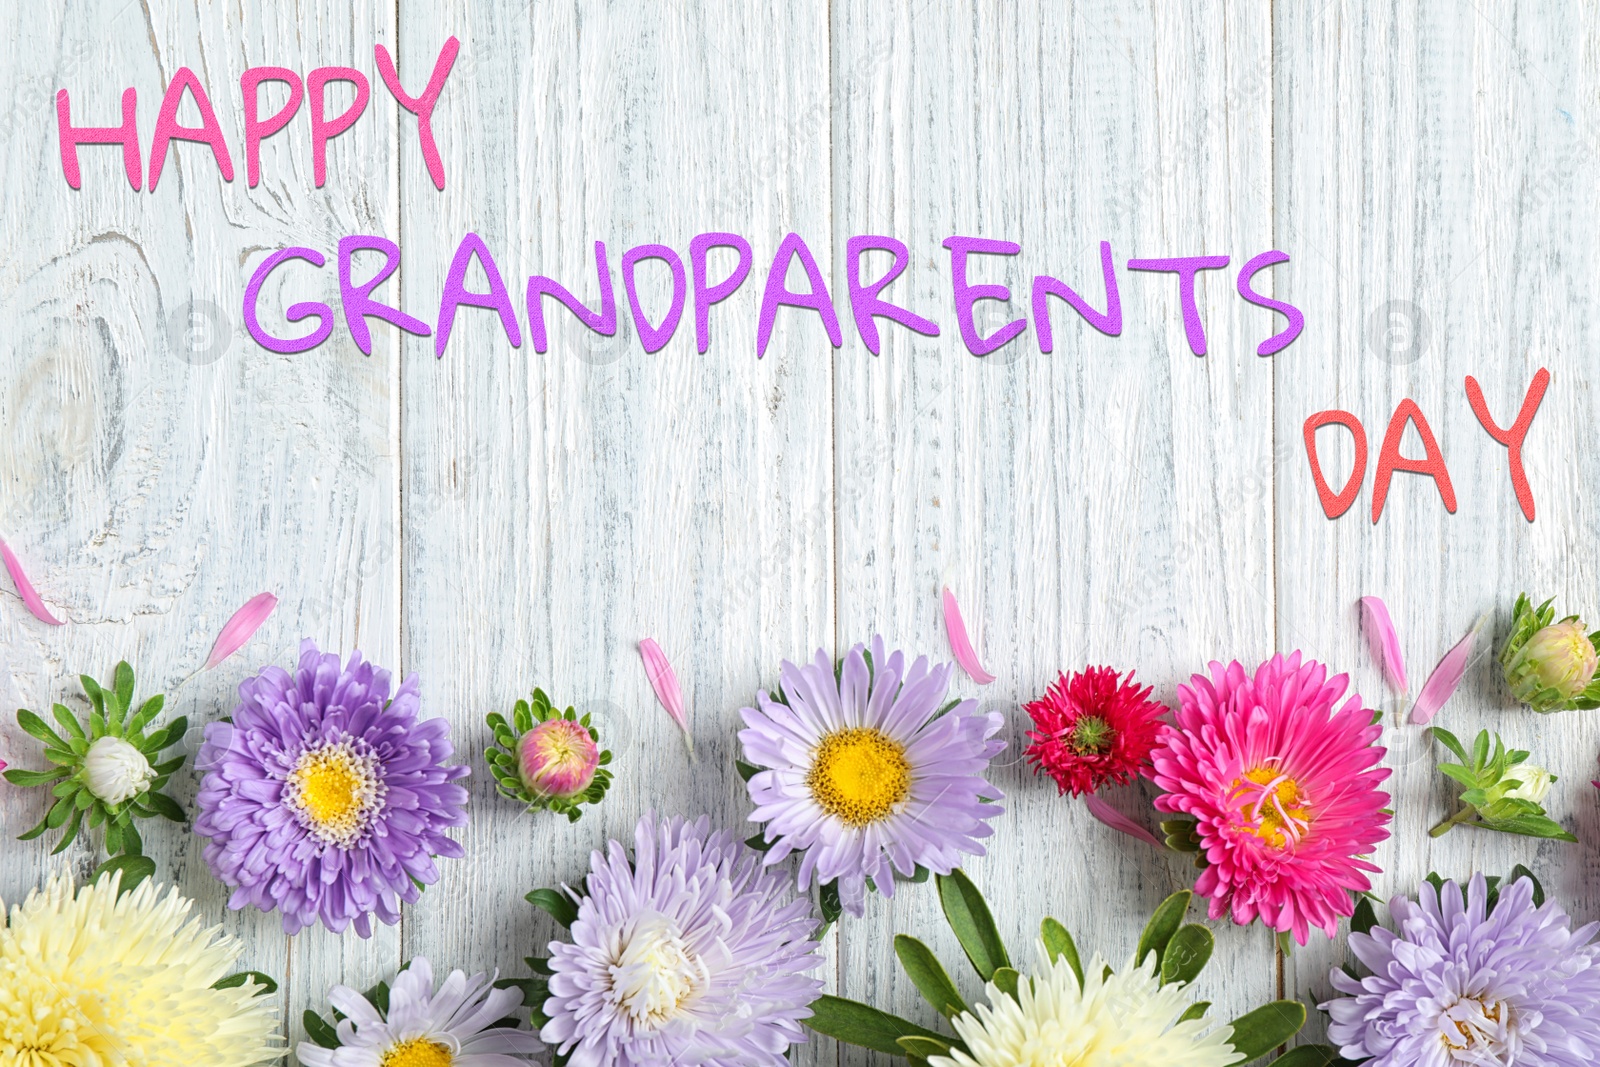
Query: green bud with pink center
(548,759)
(1550,665)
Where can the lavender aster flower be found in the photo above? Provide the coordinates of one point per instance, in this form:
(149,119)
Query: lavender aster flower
(689,953)
(325,797)
(1462,982)
(867,771)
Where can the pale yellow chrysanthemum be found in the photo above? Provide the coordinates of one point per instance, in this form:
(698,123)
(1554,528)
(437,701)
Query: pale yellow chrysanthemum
(1125,1019)
(91,980)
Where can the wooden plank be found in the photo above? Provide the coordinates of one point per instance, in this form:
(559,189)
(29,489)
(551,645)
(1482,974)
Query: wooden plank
(1107,503)
(1434,166)
(158,467)
(560,507)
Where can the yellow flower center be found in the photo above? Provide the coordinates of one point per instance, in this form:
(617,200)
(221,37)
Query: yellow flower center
(1275,805)
(418,1052)
(1476,1023)
(859,775)
(336,792)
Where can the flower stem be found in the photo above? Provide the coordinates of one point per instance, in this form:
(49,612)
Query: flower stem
(1461,816)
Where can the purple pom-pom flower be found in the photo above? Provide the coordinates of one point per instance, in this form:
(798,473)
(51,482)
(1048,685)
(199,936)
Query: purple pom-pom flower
(869,770)
(685,952)
(1464,981)
(325,797)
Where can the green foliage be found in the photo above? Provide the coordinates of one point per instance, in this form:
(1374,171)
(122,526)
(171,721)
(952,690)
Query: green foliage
(1489,777)
(1181,951)
(502,757)
(66,746)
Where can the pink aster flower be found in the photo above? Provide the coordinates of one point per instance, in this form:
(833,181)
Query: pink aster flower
(1284,790)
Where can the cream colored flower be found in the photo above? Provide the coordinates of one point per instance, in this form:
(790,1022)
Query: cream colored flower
(1125,1019)
(91,980)
(1536,782)
(115,771)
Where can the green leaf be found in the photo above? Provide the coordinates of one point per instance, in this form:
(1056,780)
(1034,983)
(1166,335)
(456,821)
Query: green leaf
(968,915)
(1258,1032)
(929,976)
(1460,774)
(1480,749)
(925,1048)
(37,728)
(1187,954)
(1450,741)
(1532,826)
(857,1024)
(746,771)
(266,986)
(828,902)
(1197,1010)
(146,713)
(122,680)
(1058,942)
(1162,925)
(319,1030)
(165,806)
(1519,871)
(560,906)
(1308,1056)
(135,869)
(1007,979)
(69,722)
(1364,918)
(28,779)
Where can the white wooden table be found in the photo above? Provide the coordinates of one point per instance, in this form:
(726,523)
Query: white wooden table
(499,519)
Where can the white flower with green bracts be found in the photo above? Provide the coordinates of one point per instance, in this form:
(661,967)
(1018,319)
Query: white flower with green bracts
(108,772)
(1549,665)
(1063,1014)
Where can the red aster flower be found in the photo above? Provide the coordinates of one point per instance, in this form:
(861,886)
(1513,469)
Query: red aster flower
(1093,728)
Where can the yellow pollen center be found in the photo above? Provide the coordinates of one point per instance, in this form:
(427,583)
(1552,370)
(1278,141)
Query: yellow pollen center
(336,792)
(1473,1033)
(418,1052)
(1274,804)
(859,775)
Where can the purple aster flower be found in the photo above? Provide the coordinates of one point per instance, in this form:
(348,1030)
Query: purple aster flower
(325,797)
(1462,982)
(687,953)
(867,771)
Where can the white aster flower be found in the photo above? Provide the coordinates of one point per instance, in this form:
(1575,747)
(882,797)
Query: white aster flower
(1126,1019)
(115,770)
(1536,782)
(454,1027)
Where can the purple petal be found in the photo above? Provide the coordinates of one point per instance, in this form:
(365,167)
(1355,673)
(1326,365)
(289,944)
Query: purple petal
(664,680)
(1385,643)
(960,644)
(239,629)
(1446,676)
(1113,818)
(30,596)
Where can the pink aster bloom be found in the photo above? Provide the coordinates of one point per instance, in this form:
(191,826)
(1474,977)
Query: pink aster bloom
(1284,788)
(557,758)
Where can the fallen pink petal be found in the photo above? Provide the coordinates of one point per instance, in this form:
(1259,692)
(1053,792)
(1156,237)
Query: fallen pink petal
(1385,642)
(664,680)
(30,595)
(960,643)
(1102,810)
(239,629)
(1442,683)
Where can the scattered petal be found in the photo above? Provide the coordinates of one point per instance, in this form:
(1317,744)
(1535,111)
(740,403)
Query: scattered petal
(1113,818)
(664,680)
(1385,643)
(239,629)
(30,596)
(960,644)
(1446,676)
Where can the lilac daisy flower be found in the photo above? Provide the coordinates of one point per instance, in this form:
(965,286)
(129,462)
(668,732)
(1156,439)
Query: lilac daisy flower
(687,953)
(325,797)
(867,767)
(1464,981)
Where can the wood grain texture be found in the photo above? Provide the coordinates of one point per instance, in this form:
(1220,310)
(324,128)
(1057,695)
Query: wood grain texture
(502,518)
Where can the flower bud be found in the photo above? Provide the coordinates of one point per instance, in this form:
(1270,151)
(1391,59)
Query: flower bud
(115,771)
(1536,782)
(557,759)
(1557,663)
